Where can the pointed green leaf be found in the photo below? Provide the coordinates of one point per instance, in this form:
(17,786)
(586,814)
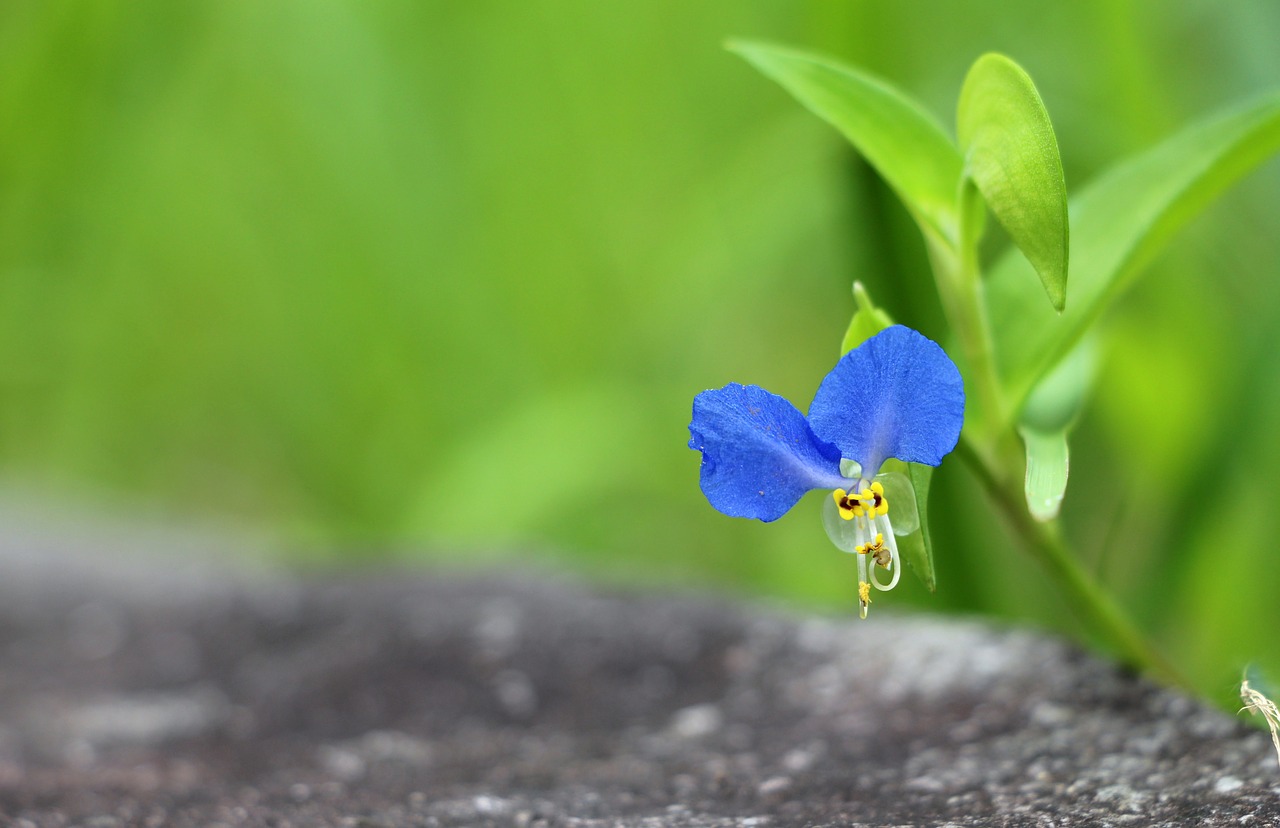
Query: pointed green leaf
(1011,153)
(1118,224)
(867,321)
(902,141)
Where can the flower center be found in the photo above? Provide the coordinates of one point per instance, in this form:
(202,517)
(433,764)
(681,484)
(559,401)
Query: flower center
(869,535)
(869,502)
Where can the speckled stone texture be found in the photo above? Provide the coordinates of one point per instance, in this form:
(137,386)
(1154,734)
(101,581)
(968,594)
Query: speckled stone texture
(147,694)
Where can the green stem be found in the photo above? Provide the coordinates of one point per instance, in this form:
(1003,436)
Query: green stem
(992,448)
(960,289)
(1091,602)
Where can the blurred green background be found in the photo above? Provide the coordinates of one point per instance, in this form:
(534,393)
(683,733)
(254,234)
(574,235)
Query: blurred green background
(440,280)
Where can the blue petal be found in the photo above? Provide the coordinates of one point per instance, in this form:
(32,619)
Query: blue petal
(895,395)
(758,454)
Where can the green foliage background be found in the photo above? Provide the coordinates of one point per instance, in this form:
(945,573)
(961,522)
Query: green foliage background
(440,281)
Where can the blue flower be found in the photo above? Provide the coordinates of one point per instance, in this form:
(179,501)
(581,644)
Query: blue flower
(895,395)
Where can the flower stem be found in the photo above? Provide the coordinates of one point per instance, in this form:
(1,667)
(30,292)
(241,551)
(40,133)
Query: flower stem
(1092,603)
(960,288)
(992,448)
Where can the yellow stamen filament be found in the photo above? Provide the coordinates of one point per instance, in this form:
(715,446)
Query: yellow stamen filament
(877,551)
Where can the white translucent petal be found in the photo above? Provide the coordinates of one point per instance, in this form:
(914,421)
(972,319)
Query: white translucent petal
(902,502)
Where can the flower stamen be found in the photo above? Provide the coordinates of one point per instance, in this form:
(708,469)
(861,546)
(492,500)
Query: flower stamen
(858,522)
(877,550)
(850,505)
(870,501)
(878,503)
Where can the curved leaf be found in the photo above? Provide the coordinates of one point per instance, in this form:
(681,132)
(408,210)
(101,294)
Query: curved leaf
(1047,420)
(1059,397)
(917,548)
(1118,224)
(904,143)
(1011,154)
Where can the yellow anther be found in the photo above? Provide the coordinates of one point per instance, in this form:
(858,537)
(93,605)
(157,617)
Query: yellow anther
(849,507)
(864,593)
(883,507)
(877,548)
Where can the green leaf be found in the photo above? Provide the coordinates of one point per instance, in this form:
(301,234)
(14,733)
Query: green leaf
(867,321)
(916,549)
(1058,398)
(902,141)
(1011,154)
(1048,463)
(1118,224)
(1047,420)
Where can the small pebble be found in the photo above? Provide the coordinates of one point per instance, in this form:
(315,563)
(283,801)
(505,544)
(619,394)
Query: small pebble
(1227,784)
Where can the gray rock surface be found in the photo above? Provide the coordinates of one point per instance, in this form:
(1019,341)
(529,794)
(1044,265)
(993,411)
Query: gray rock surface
(135,695)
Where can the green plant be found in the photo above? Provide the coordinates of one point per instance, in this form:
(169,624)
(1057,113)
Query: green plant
(1022,332)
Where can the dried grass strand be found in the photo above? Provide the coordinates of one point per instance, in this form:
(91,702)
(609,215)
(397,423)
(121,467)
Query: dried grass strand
(1257,703)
